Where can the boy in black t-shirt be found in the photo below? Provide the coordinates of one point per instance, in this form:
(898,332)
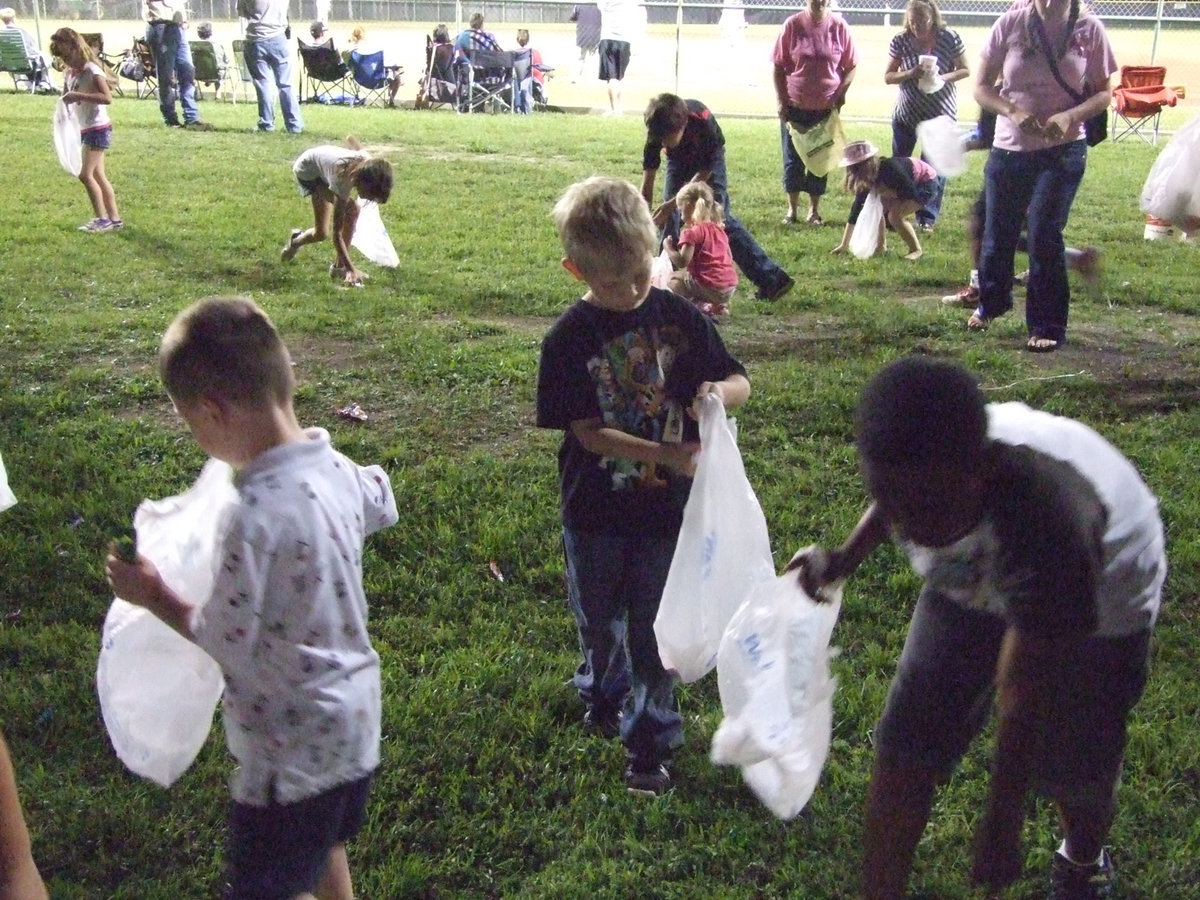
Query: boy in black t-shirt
(695,148)
(619,373)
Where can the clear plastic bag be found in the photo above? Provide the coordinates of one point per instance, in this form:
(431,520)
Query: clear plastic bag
(722,551)
(1172,189)
(865,238)
(942,145)
(661,271)
(371,238)
(158,691)
(67,141)
(777,692)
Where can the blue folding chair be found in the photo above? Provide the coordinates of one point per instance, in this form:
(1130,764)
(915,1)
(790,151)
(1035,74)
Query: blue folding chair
(376,84)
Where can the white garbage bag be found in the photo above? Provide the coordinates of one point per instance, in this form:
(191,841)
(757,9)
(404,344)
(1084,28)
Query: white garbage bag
(777,692)
(942,145)
(371,238)
(7,498)
(661,271)
(66,138)
(865,237)
(158,691)
(1172,189)
(723,550)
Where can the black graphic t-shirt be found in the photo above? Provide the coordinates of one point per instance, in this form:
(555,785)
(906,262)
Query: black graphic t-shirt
(638,372)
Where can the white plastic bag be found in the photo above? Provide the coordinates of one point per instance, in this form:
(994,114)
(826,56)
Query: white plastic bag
(1172,189)
(158,691)
(7,498)
(661,271)
(942,145)
(865,237)
(722,551)
(66,138)
(777,692)
(371,238)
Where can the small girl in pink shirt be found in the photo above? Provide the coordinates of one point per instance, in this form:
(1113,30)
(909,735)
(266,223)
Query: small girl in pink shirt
(904,185)
(706,275)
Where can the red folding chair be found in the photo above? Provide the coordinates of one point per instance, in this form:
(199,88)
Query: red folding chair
(1139,102)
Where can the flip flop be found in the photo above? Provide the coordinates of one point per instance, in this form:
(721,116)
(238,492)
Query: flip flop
(978,321)
(1042,345)
(815,220)
(789,219)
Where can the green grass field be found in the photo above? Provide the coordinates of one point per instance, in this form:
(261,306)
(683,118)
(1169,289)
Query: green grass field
(489,785)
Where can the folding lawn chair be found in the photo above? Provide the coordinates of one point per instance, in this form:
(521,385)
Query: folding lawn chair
(208,70)
(489,79)
(375,83)
(95,40)
(438,84)
(326,77)
(17,62)
(244,78)
(1139,102)
(137,65)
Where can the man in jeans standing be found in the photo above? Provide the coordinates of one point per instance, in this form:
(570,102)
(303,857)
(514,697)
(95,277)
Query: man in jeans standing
(269,57)
(165,21)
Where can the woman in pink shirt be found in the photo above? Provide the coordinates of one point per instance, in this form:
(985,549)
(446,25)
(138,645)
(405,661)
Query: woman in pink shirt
(814,60)
(1039,154)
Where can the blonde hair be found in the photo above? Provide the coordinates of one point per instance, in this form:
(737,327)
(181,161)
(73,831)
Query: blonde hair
(68,40)
(358,34)
(862,176)
(927,5)
(605,227)
(227,350)
(699,197)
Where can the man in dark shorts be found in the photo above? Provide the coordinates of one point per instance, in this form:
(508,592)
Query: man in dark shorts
(618,23)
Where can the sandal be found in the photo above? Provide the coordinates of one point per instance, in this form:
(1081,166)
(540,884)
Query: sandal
(815,219)
(978,321)
(789,219)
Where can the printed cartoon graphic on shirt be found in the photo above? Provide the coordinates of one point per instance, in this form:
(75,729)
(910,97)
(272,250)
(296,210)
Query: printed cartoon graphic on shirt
(630,374)
(963,572)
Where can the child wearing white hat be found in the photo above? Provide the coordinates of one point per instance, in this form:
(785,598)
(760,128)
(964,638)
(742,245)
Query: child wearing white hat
(904,185)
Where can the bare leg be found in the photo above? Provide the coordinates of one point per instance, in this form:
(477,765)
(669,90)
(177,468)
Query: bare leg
(814,209)
(106,190)
(19,877)
(898,805)
(93,160)
(793,201)
(335,883)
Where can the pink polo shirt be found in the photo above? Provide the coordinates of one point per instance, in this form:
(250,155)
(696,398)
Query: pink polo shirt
(813,56)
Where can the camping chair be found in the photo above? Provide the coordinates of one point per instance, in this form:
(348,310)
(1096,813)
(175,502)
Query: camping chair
(16,62)
(438,84)
(374,82)
(1139,102)
(326,77)
(137,65)
(489,79)
(208,70)
(245,79)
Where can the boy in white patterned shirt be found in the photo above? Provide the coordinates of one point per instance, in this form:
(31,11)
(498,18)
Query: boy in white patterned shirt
(287,618)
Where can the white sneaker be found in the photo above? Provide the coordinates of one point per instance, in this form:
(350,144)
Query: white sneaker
(95,225)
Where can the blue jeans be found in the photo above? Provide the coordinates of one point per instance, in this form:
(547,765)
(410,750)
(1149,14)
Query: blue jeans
(1044,182)
(796,178)
(270,63)
(614,586)
(173,62)
(764,272)
(904,139)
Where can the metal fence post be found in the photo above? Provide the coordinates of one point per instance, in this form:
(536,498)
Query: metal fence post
(1157,28)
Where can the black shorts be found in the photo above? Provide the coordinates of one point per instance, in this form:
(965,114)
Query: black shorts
(614,59)
(278,851)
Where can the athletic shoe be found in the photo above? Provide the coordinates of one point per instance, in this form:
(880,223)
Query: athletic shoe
(654,783)
(777,290)
(968,297)
(199,125)
(291,248)
(95,225)
(1069,881)
(113,225)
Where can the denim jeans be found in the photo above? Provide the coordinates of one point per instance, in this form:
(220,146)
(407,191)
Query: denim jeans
(904,139)
(1043,182)
(614,585)
(764,272)
(173,62)
(270,63)
(796,178)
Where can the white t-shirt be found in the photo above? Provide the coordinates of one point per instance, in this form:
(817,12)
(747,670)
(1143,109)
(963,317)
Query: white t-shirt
(287,622)
(324,163)
(91,116)
(620,20)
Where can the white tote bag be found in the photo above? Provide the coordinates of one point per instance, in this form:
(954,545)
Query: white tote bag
(777,692)
(66,138)
(371,238)
(723,550)
(865,238)
(158,691)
